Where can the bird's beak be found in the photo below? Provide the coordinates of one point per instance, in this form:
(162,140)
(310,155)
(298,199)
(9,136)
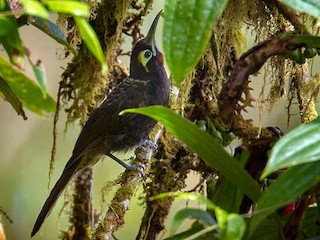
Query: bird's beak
(150,38)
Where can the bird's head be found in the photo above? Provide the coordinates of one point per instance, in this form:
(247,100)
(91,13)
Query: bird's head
(146,59)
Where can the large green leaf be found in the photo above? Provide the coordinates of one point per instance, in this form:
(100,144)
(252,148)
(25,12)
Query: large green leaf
(299,146)
(205,146)
(286,189)
(187,30)
(26,89)
(311,7)
(221,196)
(91,40)
(269,229)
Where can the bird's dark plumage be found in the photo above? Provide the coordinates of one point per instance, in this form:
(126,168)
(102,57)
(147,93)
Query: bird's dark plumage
(105,131)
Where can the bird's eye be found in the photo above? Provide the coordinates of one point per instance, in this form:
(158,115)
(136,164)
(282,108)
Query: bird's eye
(144,57)
(147,54)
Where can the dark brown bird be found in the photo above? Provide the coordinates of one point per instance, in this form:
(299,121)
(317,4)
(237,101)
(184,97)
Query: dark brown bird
(106,132)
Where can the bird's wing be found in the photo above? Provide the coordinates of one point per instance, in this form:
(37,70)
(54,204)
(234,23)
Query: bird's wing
(104,121)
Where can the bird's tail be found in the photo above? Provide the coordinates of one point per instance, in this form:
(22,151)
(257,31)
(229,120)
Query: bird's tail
(58,188)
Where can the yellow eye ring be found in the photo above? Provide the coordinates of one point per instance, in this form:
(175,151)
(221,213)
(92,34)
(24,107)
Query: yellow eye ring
(144,57)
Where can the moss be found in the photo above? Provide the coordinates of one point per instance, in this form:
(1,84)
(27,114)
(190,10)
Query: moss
(307,87)
(83,85)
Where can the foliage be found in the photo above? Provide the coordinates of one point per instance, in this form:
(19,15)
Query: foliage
(219,224)
(269,187)
(209,149)
(297,151)
(17,88)
(181,55)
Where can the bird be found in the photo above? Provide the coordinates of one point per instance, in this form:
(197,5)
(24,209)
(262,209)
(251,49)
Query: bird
(106,131)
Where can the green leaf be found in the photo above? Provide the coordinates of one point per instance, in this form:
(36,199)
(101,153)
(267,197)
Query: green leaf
(301,145)
(311,7)
(34,8)
(234,228)
(53,31)
(205,146)
(12,98)
(41,76)
(195,228)
(231,226)
(221,196)
(310,225)
(195,213)
(286,189)
(185,195)
(7,24)
(91,40)
(3,4)
(49,28)
(269,229)
(308,40)
(13,44)
(74,8)
(27,90)
(187,30)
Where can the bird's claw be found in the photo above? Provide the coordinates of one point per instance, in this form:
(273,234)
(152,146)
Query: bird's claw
(150,144)
(137,167)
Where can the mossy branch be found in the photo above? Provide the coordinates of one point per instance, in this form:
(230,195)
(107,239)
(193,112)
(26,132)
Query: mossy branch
(129,181)
(237,84)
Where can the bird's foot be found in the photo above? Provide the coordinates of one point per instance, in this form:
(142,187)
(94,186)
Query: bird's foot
(149,143)
(134,167)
